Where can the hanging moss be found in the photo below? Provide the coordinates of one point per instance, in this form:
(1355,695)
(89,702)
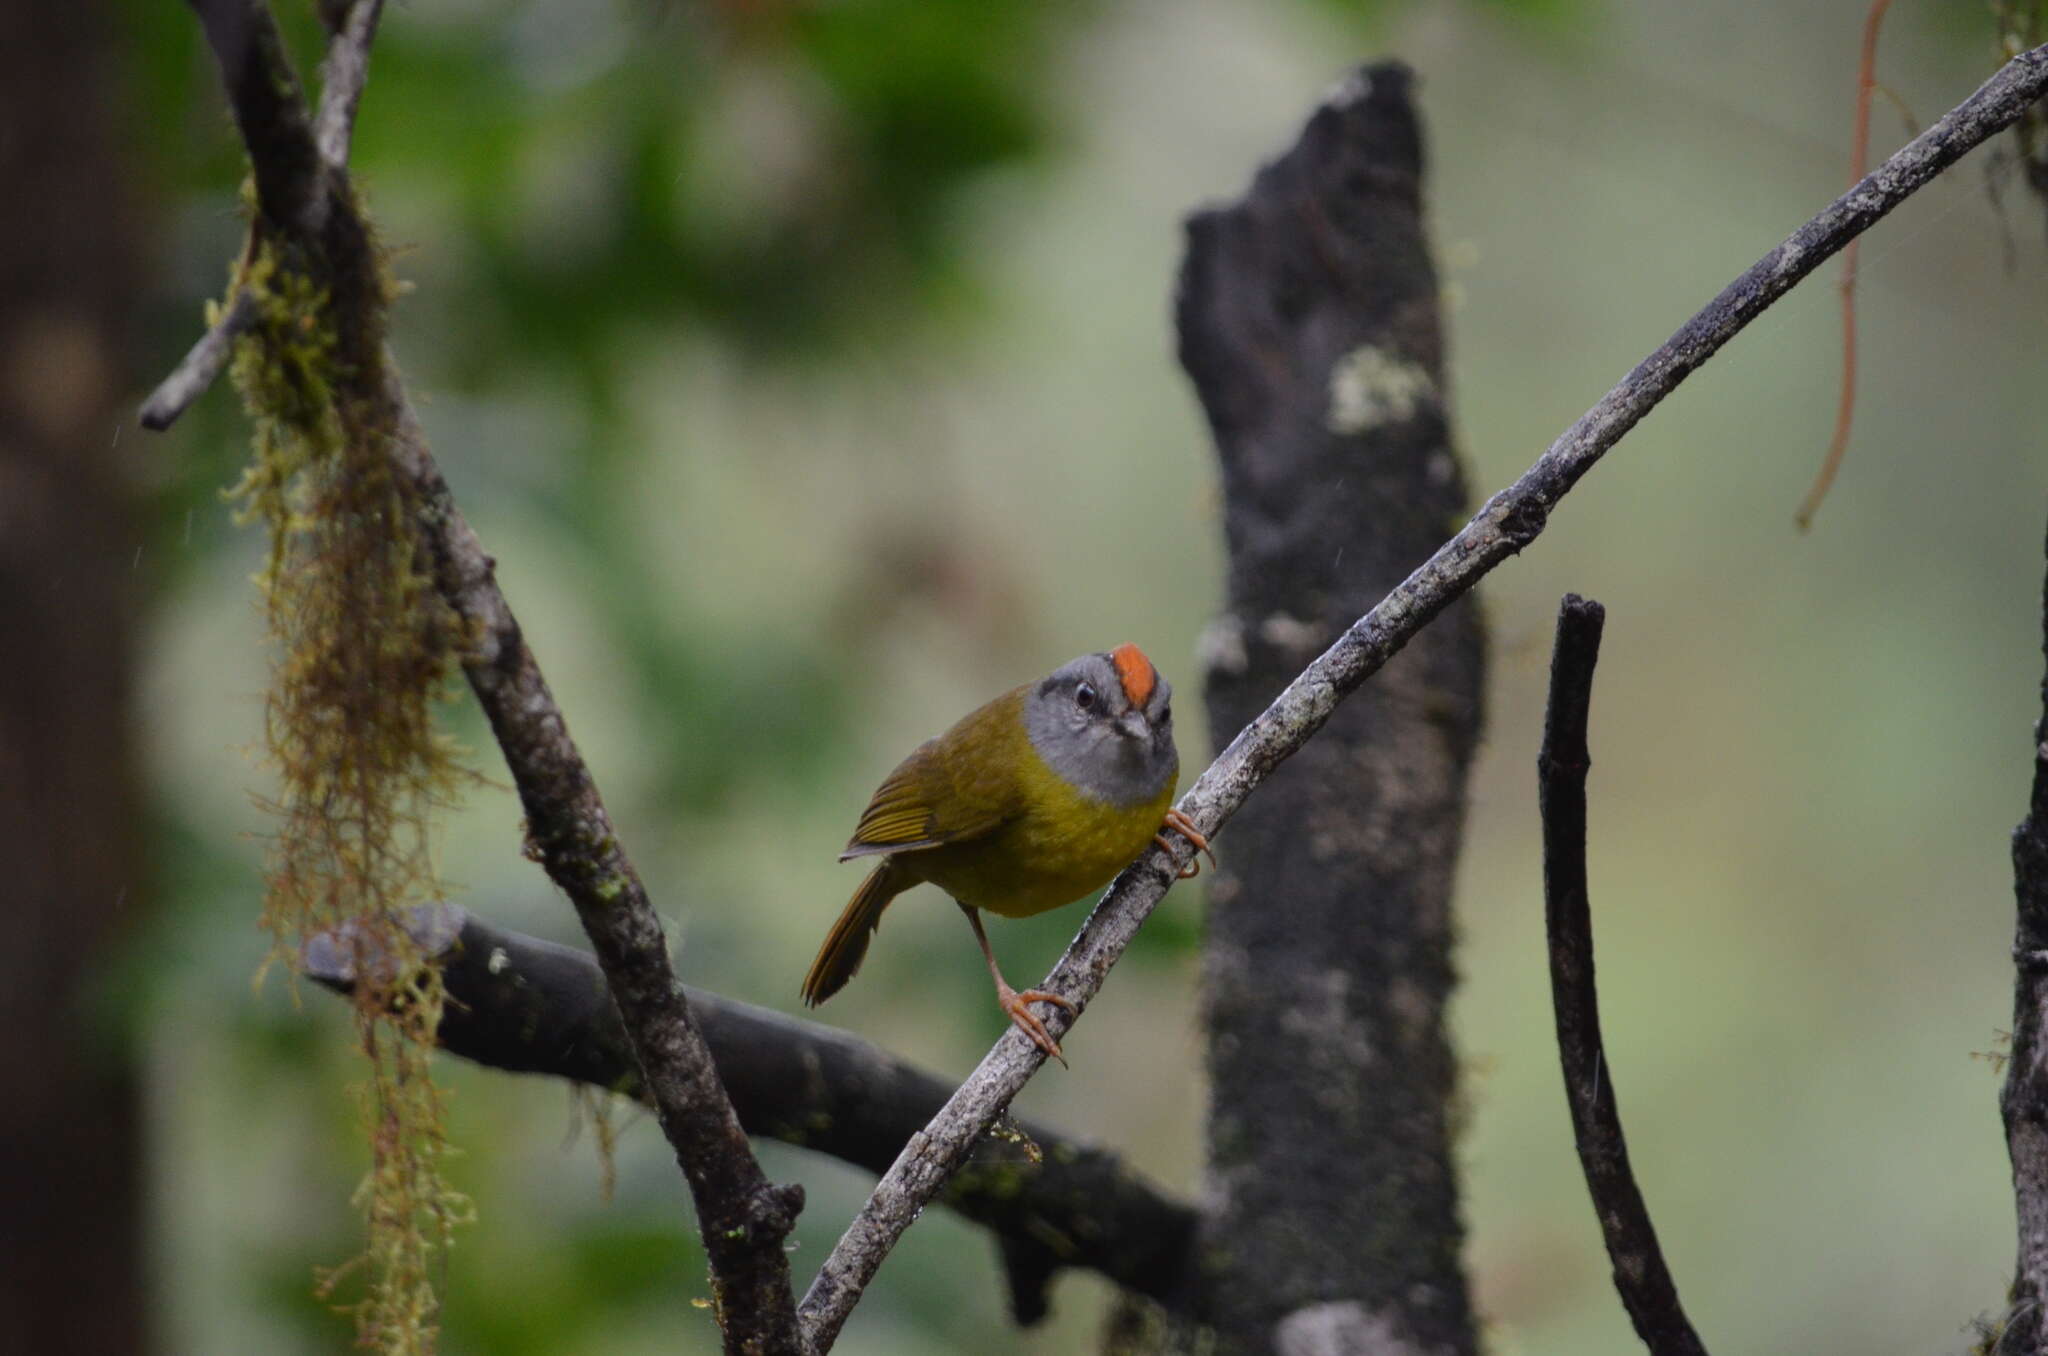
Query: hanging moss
(364,651)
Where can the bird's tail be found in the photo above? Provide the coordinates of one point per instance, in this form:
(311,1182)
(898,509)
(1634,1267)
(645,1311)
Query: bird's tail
(847,944)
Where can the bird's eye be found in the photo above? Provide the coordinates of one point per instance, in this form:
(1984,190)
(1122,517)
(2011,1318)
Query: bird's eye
(1084,697)
(1166,713)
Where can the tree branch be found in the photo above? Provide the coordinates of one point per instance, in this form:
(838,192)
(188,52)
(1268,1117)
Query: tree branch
(305,207)
(1507,524)
(269,111)
(2024,1099)
(342,77)
(201,367)
(1640,1276)
(525,1005)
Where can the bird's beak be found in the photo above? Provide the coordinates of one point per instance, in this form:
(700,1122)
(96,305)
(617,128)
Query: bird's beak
(1134,724)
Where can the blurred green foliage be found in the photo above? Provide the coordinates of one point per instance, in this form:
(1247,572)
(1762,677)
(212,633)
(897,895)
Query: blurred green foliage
(807,368)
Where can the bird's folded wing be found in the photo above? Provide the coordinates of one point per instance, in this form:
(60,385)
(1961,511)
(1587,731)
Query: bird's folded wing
(938,796)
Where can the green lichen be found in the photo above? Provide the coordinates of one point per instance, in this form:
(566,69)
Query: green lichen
(998,1180)
(364,650)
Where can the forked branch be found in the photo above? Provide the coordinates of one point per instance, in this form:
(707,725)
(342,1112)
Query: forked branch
(306,210)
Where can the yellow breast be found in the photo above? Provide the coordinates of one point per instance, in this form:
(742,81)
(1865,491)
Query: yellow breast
(1065,845)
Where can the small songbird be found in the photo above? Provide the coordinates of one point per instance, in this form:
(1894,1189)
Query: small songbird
(1028,803)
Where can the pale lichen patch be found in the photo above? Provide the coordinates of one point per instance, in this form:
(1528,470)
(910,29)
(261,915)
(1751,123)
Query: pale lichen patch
(1220,648)
(1370,386)
(1293,635)
(1338,1326)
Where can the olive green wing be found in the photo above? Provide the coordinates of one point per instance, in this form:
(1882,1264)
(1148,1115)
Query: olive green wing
(959,786)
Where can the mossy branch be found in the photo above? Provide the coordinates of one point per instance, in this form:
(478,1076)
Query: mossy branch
(344,477)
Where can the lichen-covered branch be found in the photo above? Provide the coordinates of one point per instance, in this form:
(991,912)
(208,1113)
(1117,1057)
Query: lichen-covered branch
(525,1005)
(1507,524)
(312,232)
(1640,1275)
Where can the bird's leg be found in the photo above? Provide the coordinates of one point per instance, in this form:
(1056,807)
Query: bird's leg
(1014,1003)
(1185,827)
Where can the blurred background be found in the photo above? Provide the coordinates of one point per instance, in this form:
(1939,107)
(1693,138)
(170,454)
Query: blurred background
(808,368)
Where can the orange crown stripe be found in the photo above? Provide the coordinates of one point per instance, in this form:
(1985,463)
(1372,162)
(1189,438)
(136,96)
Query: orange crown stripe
(1135,672)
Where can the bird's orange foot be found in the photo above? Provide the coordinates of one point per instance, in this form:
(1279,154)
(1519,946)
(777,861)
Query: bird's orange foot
(1017,1005)
(1185,827)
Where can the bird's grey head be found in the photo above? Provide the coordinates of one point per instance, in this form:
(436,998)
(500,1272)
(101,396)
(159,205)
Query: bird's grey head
(1104,722)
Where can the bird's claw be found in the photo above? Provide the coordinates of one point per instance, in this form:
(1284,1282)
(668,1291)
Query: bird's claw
(1017,1005)
(1185,827)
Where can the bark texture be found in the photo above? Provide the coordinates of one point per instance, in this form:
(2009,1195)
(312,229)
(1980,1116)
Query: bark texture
(1309,322)
(70,1154)
(2024,1100)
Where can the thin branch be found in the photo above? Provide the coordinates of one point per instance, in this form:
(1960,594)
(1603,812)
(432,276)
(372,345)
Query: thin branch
(342,76)
(269,110)
(1640,1276)
(743,1218)
(525,1005)
(200,368)
(1859,160)
(1508,523)
(305,202)
(2024,1099)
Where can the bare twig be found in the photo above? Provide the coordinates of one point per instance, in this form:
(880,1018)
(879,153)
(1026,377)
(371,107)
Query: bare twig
(200,368)
(1640,1276)
(1507,524)
(303,204)
(342,76)
(2024,1099)
(525,1005)
(1859,160)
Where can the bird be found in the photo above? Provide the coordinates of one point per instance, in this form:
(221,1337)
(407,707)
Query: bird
(1027,803)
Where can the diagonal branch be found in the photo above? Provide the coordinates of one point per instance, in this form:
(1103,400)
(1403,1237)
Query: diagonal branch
(1640,1276)
(269,111)
(305,208)
(201,367)
(342,76)
(1507,524)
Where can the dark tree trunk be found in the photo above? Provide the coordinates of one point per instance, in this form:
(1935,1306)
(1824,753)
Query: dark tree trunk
(70,1164)
(2024,1099)
(1309,322)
